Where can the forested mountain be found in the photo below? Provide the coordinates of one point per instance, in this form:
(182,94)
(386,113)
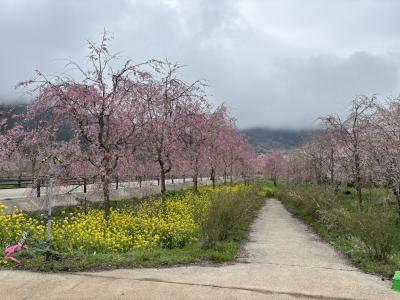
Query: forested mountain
(264,139)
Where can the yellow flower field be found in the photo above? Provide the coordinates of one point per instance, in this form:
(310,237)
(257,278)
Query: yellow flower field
(153,223)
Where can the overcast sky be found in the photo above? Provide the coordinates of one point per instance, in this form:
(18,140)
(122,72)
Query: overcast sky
(277,63)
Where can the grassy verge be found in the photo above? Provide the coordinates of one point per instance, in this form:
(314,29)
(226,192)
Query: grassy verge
(370,239)
(217,237)
(146,258)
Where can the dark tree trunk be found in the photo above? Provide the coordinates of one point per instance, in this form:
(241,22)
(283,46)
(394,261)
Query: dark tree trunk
(396,192)
(195,183)
(106,182)
(332,165)
(225,177)
(213,176)
(19,180)
(106,195)
(230,174)
(162,181)
(38,187)
(358,181)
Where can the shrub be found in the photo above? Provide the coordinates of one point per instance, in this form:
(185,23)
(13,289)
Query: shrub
(228,212)
(269,192)
(378,230)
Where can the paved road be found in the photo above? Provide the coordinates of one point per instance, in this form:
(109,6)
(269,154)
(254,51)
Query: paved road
(283,260)
(26,199)
(29,192)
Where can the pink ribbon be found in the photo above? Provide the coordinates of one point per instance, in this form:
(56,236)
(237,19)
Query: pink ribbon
(11,250)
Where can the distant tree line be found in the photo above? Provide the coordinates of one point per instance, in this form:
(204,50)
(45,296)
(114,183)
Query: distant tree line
(360,148)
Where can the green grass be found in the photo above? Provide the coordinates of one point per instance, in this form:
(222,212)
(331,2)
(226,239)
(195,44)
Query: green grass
(334,216)
(158,257)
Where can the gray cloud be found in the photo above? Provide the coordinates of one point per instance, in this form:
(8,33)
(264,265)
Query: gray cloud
(275,63)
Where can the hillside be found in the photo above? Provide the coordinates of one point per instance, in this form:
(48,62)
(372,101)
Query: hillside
(264,139)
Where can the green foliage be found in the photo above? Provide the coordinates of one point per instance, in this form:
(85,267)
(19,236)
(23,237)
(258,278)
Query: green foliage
(268,187)
(229,212)
(269,192)
(378,230)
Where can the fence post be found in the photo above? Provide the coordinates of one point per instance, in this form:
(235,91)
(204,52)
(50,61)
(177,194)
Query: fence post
(84,185)
(140,181)
(38,187)
(19,181)
(158,180)
(116,182)
(172,179)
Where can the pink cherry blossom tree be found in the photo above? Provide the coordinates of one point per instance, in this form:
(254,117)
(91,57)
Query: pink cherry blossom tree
(169,100)
(193,136)
(103,109)
(352,133)
(215,142)
(272,165)
(384,147)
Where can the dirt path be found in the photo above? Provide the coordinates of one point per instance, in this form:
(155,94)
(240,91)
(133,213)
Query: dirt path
(283,260)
